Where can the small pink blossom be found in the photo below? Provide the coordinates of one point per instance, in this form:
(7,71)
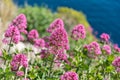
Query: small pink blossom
(5,41)
(24,31)
(33,34)
(20,73)
(12,31)
(116,48)
(78,32)
(61,55)
(118,69)
(116,63)
(69,76)
(105,37)
(39,43)
(93,48)
(16,39)
(58,23)
(57,63)
(19,60)
(44,54)
(107,49)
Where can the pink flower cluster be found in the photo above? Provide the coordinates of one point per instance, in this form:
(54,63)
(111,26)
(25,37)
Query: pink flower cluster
(20,22)
(17,26)
(20,73)
(33,34)
(59,39)
(39,43)
(105,37)
(69,76)
(78,32)
(19,60)
(13,34)
(94,48)
(116,63)
(58,23)
(34,37)
(116,48)
(107,49)
(44,53)
(61,56)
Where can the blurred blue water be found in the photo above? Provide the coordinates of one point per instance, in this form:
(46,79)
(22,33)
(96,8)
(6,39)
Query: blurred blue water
(103,15)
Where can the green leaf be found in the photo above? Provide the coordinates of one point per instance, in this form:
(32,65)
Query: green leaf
(11,45)
(1,70)
(68,67)
(109,68)
(32,75)
(9,74)
(110,58)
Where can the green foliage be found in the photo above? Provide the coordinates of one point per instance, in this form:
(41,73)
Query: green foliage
(38,18)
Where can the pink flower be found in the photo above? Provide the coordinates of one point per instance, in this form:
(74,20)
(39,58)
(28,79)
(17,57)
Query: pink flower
(16,39)
(118,69)
(57,63)
(105,37)
(20,22)
(61,55)
(107,49)
(59,39)
(5,41)
(19,60)
(33,34)
(58,23)
(39,43)
(116,48)
(78,32)
(44,54)
(20,73)
(93,48)
(116,63)
(24,31)
(12,31)
(17,26)
(69,76)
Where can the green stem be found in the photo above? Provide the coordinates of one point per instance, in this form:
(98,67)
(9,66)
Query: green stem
(25,73)
(77,69)
(15,78)
(26,67)
(10,44)
(118,76)
(51,64)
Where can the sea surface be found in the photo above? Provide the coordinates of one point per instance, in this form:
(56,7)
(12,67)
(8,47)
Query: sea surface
(103,15)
